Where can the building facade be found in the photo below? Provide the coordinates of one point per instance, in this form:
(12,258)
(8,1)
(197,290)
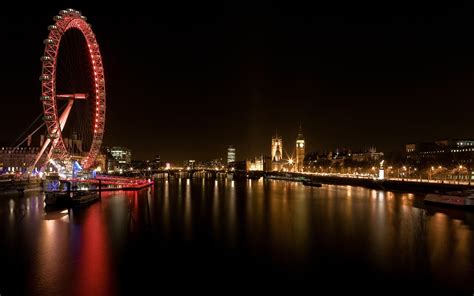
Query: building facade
(256,164)
(300,148)
(118,158)
(230,154)
(277,152)
(19,159)
(370,155)
(443,152)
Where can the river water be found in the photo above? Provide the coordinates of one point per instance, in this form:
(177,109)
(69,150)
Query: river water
(224,237)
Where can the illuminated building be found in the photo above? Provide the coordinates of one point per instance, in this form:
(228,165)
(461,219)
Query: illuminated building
(73,144)
(122,155)
(18,159)
(256,164)
(446,152)
(439,147)
(101,162)
(118,158)
(230,154)
(370,155)
(299,151)
(157,162)
(277,152)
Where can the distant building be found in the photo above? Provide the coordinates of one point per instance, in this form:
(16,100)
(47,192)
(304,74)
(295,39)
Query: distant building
(156,162)
(190,164)
(122,155)
(101,162)
(277,148)
(256,164)
(19,159)
(277,152)
(267,163)
(215,163)
(300,147)
(74,145)
(13,160)
(442,151)
(441,146)
(118,158)
(370,155)
(230,154)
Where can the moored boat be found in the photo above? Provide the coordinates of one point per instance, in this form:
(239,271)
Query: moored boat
(57,198)
(451,200)
(84,197)
(312,184)
(70,198)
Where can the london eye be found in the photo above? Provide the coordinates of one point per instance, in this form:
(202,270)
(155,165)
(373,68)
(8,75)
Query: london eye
(72,93)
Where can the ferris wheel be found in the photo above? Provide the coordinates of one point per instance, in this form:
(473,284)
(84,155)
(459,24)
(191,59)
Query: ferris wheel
(72,92)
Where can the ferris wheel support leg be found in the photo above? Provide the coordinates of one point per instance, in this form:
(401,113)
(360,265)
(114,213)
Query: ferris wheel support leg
(40,153)
(62,123)
(65,114)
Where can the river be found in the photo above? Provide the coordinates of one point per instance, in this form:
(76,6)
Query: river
(222,237)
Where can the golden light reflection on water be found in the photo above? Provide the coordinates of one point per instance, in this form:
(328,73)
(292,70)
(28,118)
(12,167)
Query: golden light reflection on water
(230,214)
(287,222)
(187,211)
(165,213)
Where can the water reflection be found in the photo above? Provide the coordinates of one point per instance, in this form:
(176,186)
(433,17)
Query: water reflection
(266,225)
(93,272)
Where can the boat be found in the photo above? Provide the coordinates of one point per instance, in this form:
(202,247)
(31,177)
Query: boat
(312,184)
(70,198)
(254,176)
(84,197)
(461,200)
(57,198)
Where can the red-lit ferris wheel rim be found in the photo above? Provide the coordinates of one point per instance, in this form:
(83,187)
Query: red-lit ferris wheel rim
(66,20)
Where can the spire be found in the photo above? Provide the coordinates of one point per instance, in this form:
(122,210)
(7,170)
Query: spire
(300,133)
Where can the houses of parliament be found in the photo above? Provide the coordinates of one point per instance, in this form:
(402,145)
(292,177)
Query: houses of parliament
(290,164)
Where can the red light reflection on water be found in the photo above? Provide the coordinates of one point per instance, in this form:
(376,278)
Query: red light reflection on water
(93,274)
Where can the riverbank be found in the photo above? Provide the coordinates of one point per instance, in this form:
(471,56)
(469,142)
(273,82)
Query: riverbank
(391,185)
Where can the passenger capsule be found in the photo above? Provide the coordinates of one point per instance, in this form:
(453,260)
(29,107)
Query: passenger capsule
(48,118)
(63,12)
(45,98)
(45,77)
(52,136)
(48,41)
(52,27)
(83,18)
(57,17)
(46,58)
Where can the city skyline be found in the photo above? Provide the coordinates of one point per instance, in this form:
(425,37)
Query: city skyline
(225,147)
(220,75)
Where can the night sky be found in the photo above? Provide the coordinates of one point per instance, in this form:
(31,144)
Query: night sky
(188,80)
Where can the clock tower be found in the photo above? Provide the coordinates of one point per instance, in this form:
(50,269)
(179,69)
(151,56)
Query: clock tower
(299,151)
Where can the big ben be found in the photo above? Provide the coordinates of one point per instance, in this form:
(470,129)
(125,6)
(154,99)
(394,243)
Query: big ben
(299,151)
